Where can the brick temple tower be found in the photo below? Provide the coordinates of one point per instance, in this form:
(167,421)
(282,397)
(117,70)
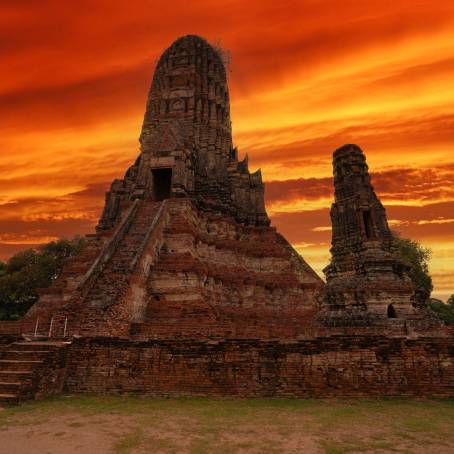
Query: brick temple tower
(367,282)
(186,141)
(184,246)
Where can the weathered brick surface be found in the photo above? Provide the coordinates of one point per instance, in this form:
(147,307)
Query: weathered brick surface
(7,339)
(30,370)
(185,232)
(187,129)
(193,274)
(348,366)
(63,289)
(367,281)
(11,328)
(185,288)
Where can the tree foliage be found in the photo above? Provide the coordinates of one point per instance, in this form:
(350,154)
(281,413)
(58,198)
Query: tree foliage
(224,54)
(27,271)
(444,310)
(417,257)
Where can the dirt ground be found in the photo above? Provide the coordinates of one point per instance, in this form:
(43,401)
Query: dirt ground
(131,425)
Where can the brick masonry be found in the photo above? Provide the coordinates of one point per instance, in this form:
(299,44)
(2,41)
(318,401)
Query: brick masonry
(367,282)
(337,366)
(31,370)
(186,289)
(184,247)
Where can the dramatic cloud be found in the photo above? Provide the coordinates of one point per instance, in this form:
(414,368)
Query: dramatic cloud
(409,186)
(306,76)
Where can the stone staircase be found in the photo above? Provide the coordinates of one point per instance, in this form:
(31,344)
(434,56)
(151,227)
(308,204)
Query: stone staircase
(113,279)
(51,299)
(31,369)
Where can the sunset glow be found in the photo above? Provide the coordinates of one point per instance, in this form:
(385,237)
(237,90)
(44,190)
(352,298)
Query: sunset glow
(305,77)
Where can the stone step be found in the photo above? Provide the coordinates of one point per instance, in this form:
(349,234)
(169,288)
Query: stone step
(25,354)
(44,345)
(11,387)
(110,285)
(18,365)
(15,375)
(31,345)
(9,399)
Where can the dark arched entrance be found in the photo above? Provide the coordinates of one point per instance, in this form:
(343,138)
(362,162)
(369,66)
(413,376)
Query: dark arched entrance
(162,184)
(391,311)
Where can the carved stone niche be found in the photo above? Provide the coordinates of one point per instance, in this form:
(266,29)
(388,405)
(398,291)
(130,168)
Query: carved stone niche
(366,220)
(178,105)
(179,81)
(180,61)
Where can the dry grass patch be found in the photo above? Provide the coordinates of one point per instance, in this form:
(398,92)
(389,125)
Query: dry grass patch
(134,425)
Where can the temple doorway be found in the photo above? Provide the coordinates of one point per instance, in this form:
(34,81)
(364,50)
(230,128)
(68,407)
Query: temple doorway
(368,228)
(162,183)
(391,312)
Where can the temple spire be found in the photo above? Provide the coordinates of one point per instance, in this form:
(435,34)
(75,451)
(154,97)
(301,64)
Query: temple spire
(367,281)
(186,141)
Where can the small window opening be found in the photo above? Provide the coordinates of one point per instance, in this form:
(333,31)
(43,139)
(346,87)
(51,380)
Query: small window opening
(367,219)
(391,312)
(162,183)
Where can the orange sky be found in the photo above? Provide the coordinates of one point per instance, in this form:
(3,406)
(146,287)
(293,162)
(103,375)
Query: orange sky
(305,77)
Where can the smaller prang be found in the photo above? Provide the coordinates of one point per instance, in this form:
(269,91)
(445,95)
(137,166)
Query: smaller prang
(367,282)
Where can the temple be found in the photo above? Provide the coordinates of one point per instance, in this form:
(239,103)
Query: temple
(184,246)
(367,283)
(186,142)
(186,289)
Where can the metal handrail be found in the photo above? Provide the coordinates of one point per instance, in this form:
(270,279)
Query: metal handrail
(52,324)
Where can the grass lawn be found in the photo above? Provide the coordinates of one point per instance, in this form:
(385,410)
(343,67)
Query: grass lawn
(114,424)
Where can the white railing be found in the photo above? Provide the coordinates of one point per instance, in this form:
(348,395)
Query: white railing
(52,325)
(41,331)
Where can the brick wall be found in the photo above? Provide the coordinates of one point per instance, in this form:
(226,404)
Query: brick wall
(6,340)
(325,367)
(10,328)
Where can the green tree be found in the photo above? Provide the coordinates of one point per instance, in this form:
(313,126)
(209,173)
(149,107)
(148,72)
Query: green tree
(2,268)
(27,271)
(444,310)
(417,257)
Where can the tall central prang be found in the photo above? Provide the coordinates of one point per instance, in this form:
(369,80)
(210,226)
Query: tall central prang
(186,141)
(184,247)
